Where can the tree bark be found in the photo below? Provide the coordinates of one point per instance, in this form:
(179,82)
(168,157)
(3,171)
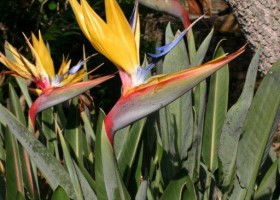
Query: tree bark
(260,22)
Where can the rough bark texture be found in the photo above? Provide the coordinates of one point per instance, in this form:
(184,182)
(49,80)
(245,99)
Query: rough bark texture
(260,22)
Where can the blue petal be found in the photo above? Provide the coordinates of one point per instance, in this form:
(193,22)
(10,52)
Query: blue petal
(166,48)
(76,68)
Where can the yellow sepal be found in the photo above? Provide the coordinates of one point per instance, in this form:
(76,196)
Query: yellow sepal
(44,55)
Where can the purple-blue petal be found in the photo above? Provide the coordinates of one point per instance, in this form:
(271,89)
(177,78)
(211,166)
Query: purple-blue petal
(166,48)
(163,50)
(76,68)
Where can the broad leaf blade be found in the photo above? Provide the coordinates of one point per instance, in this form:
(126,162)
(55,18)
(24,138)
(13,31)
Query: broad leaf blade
(15,106)
(88,126)
(130,146)
(215,114)
(74,134)
(268,183)
(59,194)
(49,166)
(256,132)
(48,130)
(27,174)
(14,183)
(23,87)
(142,192)
(82,187)
(192,164)
(202,50)
(174,190)
(234,122)
(180,110)
(108,178)
(70,167)
(86,186)
(191,46)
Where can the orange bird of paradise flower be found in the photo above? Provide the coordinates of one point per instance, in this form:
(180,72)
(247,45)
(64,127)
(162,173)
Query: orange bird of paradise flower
(118,40)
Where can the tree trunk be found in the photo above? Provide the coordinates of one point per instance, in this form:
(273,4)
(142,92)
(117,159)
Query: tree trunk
(260,23)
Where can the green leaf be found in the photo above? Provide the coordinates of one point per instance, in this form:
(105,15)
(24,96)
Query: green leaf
(108,178)
(194,157)
(2,143)
(202,50)
(49,166)
(59,194)
(137,172)
(70,167)
(234,122)
(130,146)
(74,134)
(174,190)
(27,173)
(84,175)
(189,190)
(270,139)
(119,141)
(199,95)
(255,134)
(215,115)
(268,183)
(23,87)
(87,125)
(179,111)
(177,58)
(142,192)
(15,106)
(47,130)
(86,186)
(20,196)
(82,187)
(14,178)
(191,46)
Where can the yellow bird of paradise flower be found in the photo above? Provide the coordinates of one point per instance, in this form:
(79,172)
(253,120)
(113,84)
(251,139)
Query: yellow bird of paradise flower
(42,73)
(51,88)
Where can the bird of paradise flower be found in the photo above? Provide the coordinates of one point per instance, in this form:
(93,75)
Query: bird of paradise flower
(51,88)
(118,40)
